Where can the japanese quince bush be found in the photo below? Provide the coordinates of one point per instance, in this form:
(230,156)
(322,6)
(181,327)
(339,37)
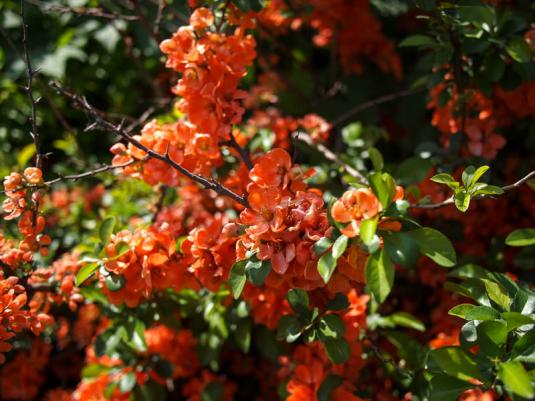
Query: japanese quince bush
(239,247)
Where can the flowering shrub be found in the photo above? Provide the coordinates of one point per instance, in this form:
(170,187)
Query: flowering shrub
(256,235)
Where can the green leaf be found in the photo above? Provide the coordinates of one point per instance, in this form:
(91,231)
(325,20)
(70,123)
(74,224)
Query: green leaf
(483,312)
(337,350)
(85,272)
(115,282)
(519,50)
(406,320)
(497,293)
(401,248)
(213,391)
(456,362)
(515,320)
(445,179)
(479,173)
(384,187)
(485,189)
(331,327)
(521,237)
(106,229)
(326,266)
(491,336)
(339,302)
(435,246)
(243,335)
(328,385)
(322,245)
(516,379)
(237,278)
(468,175)
(446,388)
(417,41)
(379,275)
(367,229)
(298,300)
(461,310)
(376,158)
(127,382)
(257,270)
(469,271)
(340,246)
(524,347)
(289,328)
(462,200)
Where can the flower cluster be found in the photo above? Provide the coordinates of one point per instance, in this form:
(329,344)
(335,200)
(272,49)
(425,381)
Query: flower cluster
(212,65)
(23,202)
(149,263)
(14,314)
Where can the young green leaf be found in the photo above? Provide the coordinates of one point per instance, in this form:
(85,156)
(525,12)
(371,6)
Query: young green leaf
(521,237)
(326,266)
(340,246)
(497,293)
(379,275)
(446,388)
(516,379)
(237,278)
(106,229)
(322,245)
(85,272)
(367,229)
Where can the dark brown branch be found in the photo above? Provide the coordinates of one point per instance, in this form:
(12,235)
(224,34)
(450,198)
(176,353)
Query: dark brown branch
(330,155)
(372,103)
(119,130)
(451,199)
(83,11)
(29,91)
(243,152)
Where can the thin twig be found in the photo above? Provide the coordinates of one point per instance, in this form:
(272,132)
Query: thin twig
(83,11)
(29,91)
(451,199)
(372,103)
(107,167)
(243,152)
(330,155)
(158,19)
(119,130)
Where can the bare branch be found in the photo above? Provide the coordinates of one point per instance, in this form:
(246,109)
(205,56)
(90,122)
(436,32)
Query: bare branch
(29,91)
(243,152)
(119,130)
(451,199)
(330,155)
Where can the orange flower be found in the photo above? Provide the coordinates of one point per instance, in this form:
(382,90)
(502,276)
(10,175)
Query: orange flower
(355,205)
(271,170)
(201,18)
(33,175)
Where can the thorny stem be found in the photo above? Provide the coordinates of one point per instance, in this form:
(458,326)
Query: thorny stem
(119,130)
(29,91)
